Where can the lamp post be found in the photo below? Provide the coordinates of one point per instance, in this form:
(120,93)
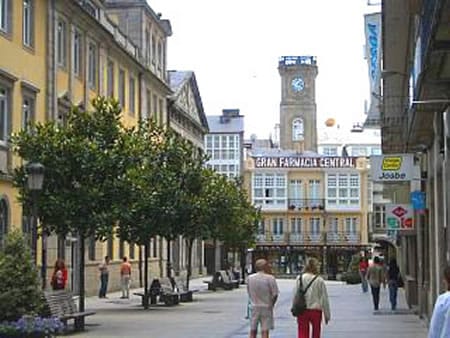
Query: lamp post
(35,180)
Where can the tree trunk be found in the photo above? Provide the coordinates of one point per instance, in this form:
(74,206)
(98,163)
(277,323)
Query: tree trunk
(140,266)
(190,243)
(146,295)
(81,246)
(168,265)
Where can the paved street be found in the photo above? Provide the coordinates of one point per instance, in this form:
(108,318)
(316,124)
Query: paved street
(221,314)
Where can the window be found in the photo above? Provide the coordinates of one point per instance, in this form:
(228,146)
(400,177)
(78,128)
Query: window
(261,227)
(269,189)
(277,226)
(155,107)
(110,248)
(314,191)
(314,224)
(343,190)
(359,151)
(89,7)
(147,46)
(77,53)
(351,224)
(92,65)
(160,56)
(149,104)
(155,247)
(379,216)
(298,130)
(122,88)
(27,23)
(4,220)
(91,248)
(330,151)
(28,110)
(110,74)
(121,249)
(296,225)
(4,115)
(375,151)
(153,50)
(131,96)
(61,43)
(5,15)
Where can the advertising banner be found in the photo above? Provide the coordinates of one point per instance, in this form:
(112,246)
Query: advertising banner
(372,30)
(392,167)
(399,217)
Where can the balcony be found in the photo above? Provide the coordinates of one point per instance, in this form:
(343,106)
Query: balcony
(343,237)
(311,204)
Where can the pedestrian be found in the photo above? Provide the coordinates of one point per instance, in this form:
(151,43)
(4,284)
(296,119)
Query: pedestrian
(125,277)
(263,292)
(317,302)
(363,266)
(440,319)
(59,275)
(104,276)
(376,277)
(393,278)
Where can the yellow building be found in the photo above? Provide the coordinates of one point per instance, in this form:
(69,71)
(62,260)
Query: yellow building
(64,53)
(311,205)
(23,90)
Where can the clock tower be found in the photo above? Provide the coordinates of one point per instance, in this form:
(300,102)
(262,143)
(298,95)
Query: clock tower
(298,115)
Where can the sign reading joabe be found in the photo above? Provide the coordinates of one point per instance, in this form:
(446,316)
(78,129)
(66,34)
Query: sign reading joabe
(399,217)
(392,167)
(305,162)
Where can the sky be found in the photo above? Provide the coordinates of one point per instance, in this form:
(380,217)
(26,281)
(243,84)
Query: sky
(233,48)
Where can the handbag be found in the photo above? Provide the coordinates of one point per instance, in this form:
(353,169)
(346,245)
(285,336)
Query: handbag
(299,302)
(400,282)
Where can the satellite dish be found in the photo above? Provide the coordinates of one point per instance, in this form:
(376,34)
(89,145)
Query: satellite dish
(330,122)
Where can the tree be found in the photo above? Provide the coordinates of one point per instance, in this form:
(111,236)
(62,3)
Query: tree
(20,292)
(83,160)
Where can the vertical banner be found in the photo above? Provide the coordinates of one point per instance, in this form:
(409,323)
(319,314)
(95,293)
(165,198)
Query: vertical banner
(372,30)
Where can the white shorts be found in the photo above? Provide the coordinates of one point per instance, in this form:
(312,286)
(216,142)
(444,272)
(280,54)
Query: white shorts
(262,316)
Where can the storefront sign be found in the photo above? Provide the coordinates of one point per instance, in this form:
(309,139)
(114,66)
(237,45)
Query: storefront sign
(399,217)
(305,162)
(392,167)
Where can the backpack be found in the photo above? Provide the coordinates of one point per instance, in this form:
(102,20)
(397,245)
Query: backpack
(299,302)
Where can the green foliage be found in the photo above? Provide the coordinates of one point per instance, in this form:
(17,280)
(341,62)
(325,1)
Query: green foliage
(19,285)
(352,275)
(83,161)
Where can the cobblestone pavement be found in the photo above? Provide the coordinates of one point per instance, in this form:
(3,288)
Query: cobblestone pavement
(221,314)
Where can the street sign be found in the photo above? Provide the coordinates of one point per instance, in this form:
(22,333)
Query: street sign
(392,167)
(399,217)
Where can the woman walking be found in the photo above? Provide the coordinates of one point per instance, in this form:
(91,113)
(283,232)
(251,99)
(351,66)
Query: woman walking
(363,266)
(393,277)
(317,303)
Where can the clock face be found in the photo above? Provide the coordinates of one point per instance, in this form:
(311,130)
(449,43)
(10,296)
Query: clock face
(297,84)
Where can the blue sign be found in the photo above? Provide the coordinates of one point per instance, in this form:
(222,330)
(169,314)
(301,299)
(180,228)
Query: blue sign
(418,200)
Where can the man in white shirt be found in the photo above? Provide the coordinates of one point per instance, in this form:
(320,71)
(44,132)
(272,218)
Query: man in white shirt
(263,292)
(440,320)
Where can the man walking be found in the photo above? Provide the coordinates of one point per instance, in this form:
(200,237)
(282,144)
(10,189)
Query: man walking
(125,276)
(263,292)
(376,277)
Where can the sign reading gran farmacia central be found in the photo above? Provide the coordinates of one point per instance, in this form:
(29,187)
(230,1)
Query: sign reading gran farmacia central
(305,162)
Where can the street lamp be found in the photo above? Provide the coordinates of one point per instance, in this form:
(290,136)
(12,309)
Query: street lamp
(35,180)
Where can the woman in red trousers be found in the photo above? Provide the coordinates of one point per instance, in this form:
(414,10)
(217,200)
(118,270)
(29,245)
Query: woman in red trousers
(317,302)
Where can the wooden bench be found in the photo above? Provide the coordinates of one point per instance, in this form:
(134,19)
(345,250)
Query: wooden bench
(228,277)
(62,305)
(186,295)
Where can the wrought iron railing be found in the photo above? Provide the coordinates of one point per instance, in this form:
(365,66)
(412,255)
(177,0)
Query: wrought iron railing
(313,204)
